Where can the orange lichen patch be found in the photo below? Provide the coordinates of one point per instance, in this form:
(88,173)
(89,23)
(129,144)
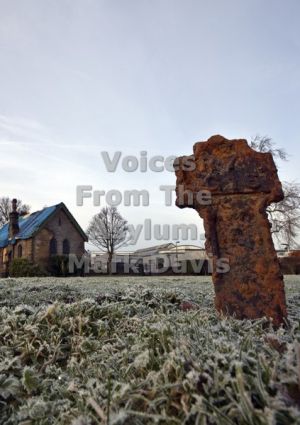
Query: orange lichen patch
(242,183)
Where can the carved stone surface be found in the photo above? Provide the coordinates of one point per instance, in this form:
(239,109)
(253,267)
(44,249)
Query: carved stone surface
(242,183)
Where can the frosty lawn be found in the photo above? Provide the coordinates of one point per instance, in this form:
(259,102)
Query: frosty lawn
(122,351)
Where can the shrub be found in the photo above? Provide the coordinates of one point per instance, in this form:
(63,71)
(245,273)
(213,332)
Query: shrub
(290,265)
(21,267)
(59,266)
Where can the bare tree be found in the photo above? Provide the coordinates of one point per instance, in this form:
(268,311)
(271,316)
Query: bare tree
(266,144)
(285,215)
(6,208)
(107,231)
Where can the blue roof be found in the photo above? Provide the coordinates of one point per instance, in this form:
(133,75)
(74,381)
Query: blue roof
(28,225)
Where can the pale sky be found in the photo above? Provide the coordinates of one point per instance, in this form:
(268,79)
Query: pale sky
(83,76)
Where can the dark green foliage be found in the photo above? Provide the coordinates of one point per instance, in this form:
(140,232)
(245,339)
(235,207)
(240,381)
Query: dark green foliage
(21,267)
(58,265)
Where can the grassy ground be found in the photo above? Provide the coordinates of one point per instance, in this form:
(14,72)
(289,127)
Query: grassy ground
(125,351)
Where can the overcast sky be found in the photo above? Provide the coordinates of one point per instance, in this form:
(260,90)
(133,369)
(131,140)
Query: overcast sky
(83,76)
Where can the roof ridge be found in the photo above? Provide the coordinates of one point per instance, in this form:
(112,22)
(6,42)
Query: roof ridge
(27,225)
(30,224)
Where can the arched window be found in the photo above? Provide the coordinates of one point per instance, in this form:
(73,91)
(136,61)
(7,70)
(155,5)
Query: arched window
(53,247)
(20,251)
(66,247)
(160,262)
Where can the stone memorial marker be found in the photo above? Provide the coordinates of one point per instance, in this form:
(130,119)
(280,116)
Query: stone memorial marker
(242,183)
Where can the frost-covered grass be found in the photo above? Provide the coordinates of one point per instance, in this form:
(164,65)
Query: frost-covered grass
(126,351)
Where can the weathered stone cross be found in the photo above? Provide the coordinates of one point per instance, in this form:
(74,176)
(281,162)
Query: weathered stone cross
(242,183)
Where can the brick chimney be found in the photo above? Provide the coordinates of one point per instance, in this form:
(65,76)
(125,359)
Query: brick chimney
(13,220)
